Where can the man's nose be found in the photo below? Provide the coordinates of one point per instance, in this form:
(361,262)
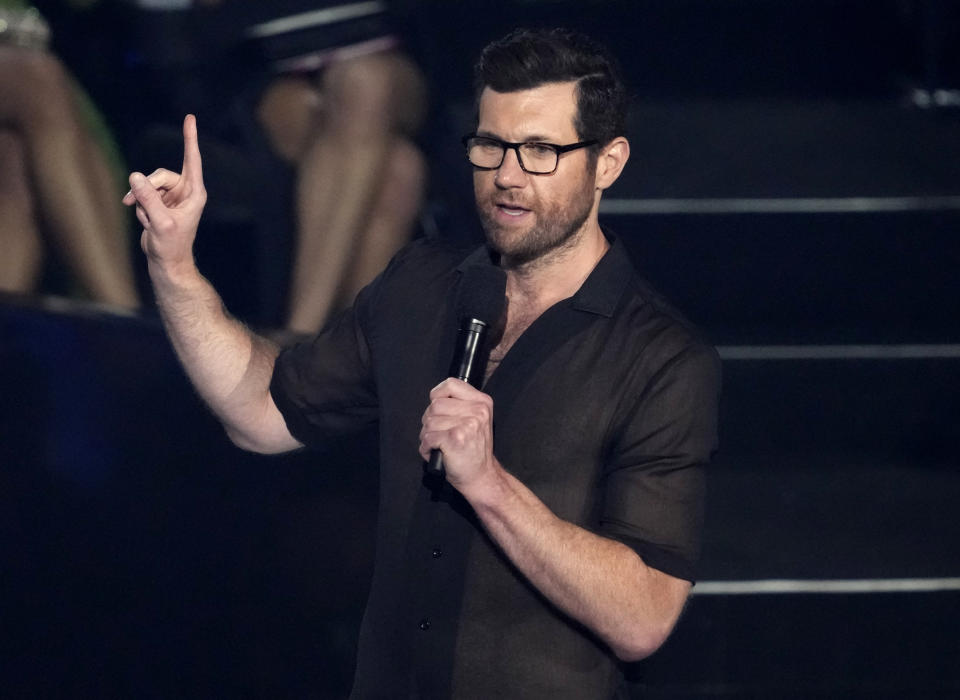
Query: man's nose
(510,174)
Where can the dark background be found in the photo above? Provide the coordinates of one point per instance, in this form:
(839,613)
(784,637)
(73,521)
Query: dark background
(141,555)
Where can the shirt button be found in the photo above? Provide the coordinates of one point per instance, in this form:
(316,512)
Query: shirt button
(437,553)
(424,624)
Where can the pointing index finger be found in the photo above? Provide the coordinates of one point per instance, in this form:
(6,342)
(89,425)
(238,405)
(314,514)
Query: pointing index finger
(192,166)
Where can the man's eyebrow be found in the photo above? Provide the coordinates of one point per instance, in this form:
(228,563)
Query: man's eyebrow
(534,138)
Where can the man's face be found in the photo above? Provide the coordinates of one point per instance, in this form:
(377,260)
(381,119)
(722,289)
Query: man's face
(527,216)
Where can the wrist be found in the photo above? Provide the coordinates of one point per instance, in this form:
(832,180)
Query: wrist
(489,489)
(183,273)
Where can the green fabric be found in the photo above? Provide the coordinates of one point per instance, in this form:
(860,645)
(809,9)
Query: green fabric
(94,121)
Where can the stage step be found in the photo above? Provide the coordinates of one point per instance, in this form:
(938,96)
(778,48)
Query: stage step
(798,278)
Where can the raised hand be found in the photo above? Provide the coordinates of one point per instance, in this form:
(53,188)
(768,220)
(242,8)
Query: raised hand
(169,205)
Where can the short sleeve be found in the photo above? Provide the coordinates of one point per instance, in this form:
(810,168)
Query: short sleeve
(325,387)
(654,490)
(330,386)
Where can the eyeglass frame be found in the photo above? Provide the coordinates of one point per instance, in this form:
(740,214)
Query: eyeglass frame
(504,145)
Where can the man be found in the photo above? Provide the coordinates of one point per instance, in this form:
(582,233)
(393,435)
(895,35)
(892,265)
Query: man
(567,535)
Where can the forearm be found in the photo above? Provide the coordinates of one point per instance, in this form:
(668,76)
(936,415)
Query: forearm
(229,366)
(601,583)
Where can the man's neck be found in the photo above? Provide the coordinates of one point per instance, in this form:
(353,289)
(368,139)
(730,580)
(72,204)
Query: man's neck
(535,287)
(541,283)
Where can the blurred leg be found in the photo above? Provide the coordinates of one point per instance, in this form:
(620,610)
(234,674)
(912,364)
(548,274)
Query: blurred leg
(340,175)
(69,175)
(392,218)
(289,111)
(19,238)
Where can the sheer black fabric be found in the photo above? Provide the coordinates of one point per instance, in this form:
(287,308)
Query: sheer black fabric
(606,408)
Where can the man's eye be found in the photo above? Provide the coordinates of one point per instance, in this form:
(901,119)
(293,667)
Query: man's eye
(538,150)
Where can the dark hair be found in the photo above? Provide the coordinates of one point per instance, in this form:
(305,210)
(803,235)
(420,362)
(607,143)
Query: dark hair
(528,58)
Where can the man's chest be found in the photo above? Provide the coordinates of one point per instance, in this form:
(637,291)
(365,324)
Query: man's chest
(515,327)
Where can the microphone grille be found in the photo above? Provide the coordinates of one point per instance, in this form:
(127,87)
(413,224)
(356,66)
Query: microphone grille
(482,293)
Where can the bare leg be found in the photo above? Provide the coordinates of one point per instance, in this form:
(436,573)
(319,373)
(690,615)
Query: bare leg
(340,175)
(392,218)
(19,237)
(289,112)
(68,173)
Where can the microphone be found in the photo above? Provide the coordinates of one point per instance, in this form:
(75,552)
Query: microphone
(480,303)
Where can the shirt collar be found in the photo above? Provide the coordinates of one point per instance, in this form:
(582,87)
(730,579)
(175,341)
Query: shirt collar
(603,287)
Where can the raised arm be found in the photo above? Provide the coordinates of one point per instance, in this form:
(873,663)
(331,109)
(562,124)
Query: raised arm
(229,366)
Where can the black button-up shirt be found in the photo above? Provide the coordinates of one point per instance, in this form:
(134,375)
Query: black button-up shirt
(605,407)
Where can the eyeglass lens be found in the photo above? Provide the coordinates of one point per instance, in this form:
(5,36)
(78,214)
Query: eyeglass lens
(534,157)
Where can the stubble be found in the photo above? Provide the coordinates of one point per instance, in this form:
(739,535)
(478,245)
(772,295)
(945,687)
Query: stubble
(556,230)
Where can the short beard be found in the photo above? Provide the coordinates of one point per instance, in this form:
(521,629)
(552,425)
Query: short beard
(552,235)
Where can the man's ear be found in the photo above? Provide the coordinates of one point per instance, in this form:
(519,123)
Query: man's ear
(613,157)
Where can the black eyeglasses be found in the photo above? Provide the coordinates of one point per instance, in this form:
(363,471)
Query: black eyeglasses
(487,153)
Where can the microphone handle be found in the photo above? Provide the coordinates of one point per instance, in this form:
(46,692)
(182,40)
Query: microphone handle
(435,465)
(466,366)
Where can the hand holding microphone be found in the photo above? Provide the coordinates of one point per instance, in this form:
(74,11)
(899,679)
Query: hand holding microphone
(480,303)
